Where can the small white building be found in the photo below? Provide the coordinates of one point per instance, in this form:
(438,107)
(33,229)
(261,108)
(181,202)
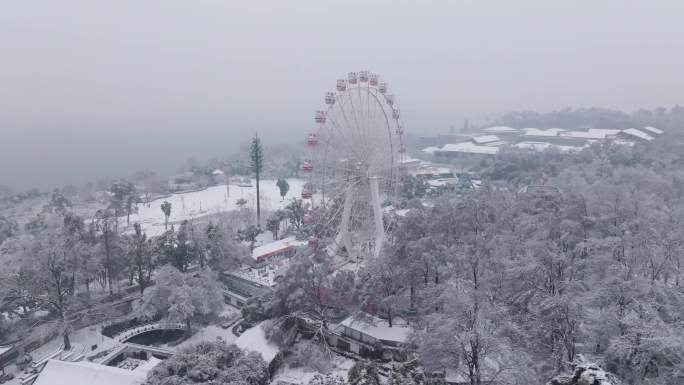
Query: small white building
(653,130)
(451,150)
(543,146)
(498,130)
(633,133)
(371,330)
(283,248)
(488,140)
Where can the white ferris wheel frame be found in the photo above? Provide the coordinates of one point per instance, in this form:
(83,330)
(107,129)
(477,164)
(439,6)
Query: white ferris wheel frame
(382,99)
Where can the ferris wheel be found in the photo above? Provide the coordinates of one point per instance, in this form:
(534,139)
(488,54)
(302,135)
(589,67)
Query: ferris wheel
(353,165)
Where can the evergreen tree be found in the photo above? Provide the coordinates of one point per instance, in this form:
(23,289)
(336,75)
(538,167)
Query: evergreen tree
(283,186)
(256,157)
(166,209)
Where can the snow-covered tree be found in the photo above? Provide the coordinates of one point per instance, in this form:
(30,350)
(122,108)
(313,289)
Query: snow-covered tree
(210,362)
(364,373)
(181,297)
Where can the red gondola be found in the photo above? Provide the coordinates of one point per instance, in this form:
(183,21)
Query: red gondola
(341,85)
(307,166)
(306,192)
(312,140)
(353,78)
(308,219)
(330,98)
(390,99)
(373,80)
(320,117)
(382,87)
(313,241)
(363,76)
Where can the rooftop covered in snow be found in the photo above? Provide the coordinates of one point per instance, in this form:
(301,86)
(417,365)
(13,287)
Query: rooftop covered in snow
(276,247)
(500,130)
(378,328)
(86,373)
(543,146)
(596,134)
(653,130)
(542,131)
(469,148)
(482,139)
(633,132)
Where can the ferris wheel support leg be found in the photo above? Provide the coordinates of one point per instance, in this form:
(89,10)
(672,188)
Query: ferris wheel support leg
(342,236)
(377,214)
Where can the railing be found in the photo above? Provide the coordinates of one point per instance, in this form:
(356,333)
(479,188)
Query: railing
(130,333)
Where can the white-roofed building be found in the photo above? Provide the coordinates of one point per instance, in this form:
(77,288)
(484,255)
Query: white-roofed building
(587,135)
(281,248)
(653,130)
(367,336)
(466,148)
(409,164)
(501,130)
(370,329)
(543,146)
(541,132)
(607,132)
(465,154)
(488,140)
(433,171)
(504,133)
(633,133)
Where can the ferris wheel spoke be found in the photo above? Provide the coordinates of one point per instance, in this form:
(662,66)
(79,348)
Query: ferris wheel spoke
(352,110)
(362,128)
(350,141)
(339,199)
(338,126)
(341,138)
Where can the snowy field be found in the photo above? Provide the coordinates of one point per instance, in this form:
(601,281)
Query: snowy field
(213,200)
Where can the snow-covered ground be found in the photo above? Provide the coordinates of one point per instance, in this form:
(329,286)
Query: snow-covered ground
(213,200)
(211,332)
(254,339)
(302,376)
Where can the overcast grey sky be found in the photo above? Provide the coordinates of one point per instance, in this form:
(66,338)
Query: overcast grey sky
(104,88)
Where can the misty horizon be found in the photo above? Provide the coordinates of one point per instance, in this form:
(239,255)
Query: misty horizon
(100,91)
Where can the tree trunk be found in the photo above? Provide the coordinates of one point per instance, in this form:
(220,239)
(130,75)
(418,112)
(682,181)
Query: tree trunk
(67,342)
(413,297)
(141,280)
(258,200)
(108,271)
